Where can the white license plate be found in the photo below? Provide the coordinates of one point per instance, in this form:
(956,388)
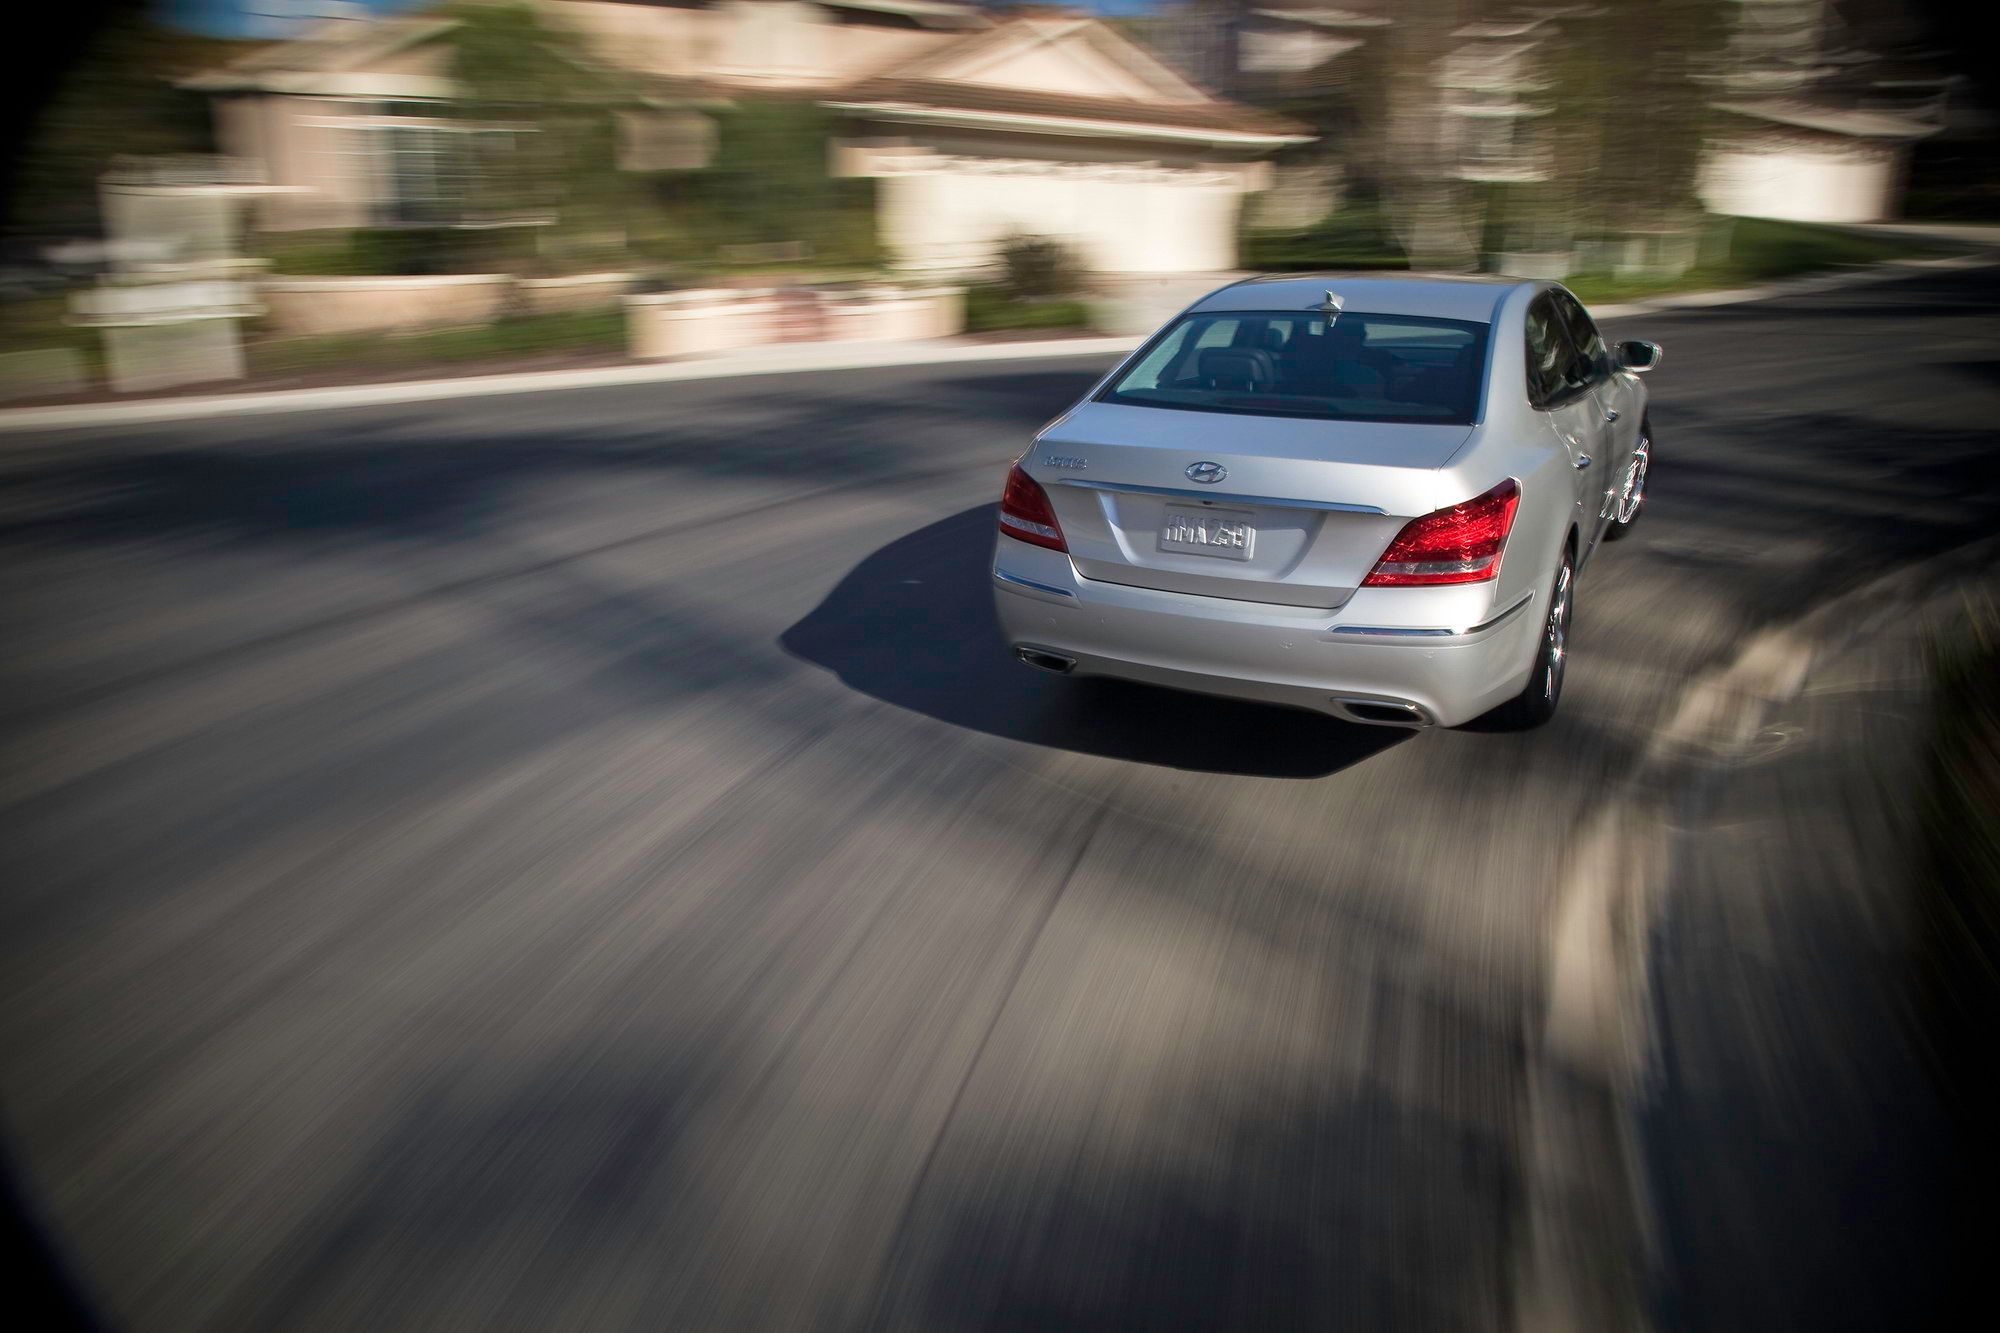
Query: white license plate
(1222,532)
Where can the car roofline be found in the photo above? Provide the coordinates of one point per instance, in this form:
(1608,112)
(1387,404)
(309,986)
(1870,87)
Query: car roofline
(1463,305)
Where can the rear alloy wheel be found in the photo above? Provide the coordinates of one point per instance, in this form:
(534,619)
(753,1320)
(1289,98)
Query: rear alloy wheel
(1632,495)
(1537,701)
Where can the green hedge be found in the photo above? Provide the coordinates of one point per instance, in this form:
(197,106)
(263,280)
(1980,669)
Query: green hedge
(989,309)
(399,251)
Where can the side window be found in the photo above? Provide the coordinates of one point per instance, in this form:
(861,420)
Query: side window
(1210,333)
(1549,354)
(1219,333)
(1584,336)
(1152,370)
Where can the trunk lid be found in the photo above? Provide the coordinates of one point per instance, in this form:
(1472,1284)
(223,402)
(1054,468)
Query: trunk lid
(1303,510)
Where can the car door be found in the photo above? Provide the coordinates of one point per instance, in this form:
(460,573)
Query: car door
(1560,385)
(1617,401)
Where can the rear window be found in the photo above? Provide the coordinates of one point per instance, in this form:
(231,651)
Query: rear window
(1351,367)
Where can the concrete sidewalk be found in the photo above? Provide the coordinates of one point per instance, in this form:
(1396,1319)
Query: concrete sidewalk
(794,358)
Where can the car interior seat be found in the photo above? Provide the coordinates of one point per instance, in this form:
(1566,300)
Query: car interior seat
(1239,368)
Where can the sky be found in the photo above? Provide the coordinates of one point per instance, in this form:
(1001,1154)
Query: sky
(260,18)
(272,18)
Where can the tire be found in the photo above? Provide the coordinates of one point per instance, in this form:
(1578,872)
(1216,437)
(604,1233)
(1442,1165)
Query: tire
(1632,495)
(1537,701)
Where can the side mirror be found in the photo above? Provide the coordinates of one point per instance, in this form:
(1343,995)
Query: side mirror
(1639,357)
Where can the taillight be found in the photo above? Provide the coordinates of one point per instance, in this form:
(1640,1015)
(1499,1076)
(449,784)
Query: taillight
(1026,514)
(1461,544)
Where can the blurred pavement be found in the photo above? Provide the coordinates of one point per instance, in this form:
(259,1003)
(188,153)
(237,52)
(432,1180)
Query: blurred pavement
(1802,1164)
(584,859)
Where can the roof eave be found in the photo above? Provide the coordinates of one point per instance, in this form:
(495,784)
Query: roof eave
(1067,125)
(1903,132)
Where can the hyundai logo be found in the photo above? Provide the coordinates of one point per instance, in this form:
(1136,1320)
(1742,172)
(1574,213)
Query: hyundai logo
(1206,473)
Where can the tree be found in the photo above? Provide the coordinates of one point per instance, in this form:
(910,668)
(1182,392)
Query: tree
(118,98)
(1631,110)
(769,182)
(536,115)
(1428,206)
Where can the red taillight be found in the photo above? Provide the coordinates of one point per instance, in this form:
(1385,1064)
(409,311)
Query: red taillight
(1026,514)
(1461,544)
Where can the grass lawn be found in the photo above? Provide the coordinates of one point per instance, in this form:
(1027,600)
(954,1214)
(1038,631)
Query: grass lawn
(1760,250)
(580,331)
(41,323)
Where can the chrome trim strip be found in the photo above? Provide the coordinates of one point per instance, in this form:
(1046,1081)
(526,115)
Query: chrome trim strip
(1392,632)
(1398,632)
(1181,492)
(1030,583)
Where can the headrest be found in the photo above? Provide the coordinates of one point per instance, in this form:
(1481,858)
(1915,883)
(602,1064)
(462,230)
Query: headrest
(1347,336)
(1248,366)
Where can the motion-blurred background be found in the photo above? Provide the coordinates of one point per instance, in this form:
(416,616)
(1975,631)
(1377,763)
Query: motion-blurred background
(201,192)
(515,851)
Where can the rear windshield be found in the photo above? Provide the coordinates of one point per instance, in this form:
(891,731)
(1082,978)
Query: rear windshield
(1352,367)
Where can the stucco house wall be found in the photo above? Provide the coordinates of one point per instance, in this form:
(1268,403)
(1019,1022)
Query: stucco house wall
(945,204)
(1802,178)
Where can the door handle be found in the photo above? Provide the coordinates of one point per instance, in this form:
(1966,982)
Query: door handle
(1611,414)
(1582,462)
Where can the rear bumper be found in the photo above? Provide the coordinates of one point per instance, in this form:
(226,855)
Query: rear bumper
(1372,651)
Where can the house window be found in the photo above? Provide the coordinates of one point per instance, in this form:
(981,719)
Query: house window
(423,170)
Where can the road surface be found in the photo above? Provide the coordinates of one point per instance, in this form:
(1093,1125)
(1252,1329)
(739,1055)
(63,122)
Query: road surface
(585,860)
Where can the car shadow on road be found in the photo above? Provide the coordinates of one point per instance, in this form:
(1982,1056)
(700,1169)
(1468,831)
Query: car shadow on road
(913,625)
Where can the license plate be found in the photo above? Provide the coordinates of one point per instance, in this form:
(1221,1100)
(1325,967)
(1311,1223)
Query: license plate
(1222,532)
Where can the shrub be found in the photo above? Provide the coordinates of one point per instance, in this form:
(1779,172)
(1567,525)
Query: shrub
(398,251)
(1034,267)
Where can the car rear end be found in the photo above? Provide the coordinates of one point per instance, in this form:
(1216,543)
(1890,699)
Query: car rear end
(1227,542)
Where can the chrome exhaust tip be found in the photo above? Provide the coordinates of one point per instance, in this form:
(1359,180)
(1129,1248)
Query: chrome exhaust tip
(1055,662)
(1382,712)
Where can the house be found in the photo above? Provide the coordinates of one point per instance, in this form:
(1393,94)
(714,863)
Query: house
(1263,49)
(1810,123)
(1049,122)
(1814,128)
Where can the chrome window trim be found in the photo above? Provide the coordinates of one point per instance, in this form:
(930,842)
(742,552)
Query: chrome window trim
(1030,583)
(1210,497)
(1399,632)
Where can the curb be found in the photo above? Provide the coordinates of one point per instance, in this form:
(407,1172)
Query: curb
(803,358)
(795,359)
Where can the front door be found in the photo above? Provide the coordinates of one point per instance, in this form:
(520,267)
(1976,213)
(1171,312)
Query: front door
(1613,401)
(1561,383)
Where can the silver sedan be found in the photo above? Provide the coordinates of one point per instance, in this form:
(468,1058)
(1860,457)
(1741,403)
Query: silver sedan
(1368,497)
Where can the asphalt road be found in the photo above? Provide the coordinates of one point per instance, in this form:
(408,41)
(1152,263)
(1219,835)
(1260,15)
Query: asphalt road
(585,860)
